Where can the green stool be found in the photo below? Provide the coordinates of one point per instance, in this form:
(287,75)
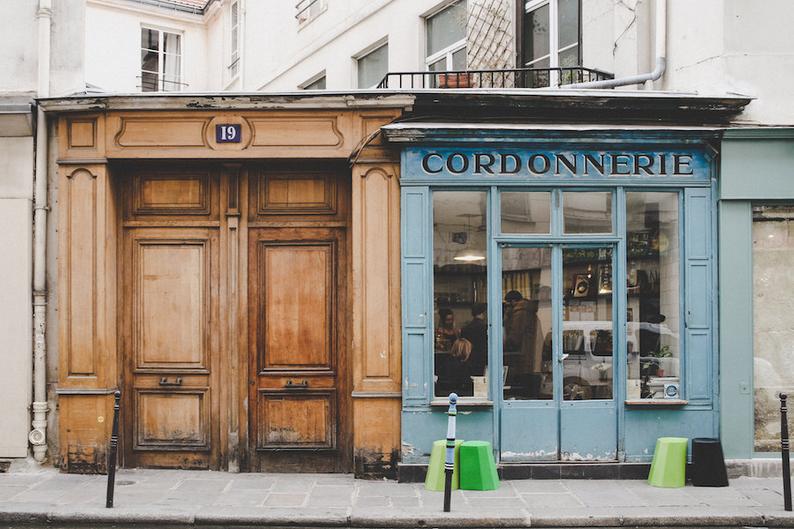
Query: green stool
(477,466)
(669,463)
(435,470)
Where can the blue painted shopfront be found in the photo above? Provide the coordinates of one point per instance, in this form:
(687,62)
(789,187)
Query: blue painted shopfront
(616,267)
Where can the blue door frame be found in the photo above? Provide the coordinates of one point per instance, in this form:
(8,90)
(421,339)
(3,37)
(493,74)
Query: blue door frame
(635,426)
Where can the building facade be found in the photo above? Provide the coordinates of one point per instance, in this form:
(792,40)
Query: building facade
(283,279)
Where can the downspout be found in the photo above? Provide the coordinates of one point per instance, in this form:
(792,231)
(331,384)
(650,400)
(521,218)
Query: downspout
(38,436)
(660,47)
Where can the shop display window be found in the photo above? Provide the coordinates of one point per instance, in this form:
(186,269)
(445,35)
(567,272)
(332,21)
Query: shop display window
(652,295)
(587,212)
(773,326)
(460,340)
(526,212)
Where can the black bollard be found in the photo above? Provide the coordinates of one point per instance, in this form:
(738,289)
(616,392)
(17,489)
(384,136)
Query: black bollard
(784,448)
(449,461)
(114,444)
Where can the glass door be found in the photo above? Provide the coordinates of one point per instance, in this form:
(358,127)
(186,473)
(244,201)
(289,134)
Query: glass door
(557,353)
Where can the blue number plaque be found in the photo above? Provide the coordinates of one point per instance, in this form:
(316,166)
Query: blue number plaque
(228,133)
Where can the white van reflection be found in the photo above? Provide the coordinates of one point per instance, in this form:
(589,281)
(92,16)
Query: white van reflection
(587,348)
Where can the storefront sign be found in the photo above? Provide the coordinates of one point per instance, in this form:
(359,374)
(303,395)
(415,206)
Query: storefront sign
(473,162)
(228,133)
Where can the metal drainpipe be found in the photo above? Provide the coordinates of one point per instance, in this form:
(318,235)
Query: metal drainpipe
(661,57)
(38,436)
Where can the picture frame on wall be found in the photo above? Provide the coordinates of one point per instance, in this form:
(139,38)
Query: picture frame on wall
(605,279)
(581,286)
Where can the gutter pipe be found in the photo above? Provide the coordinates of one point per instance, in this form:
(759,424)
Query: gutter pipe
(38,435)
(660,46)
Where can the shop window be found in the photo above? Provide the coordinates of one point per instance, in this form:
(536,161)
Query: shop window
(161,61)
(589,212)
(372,67)
(551,40)
(652,291)
(526,212)
(773,326)
(446,39)
(460,293)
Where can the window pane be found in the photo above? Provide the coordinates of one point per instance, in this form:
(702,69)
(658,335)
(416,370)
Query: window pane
(587,323)
(569,57)
(460,295)
(773,342)
(459,59)
(319,84)
(150,61)
(652,304)
(536,33)
(149,82)
(234,9)
(150,39)
(446,28)
(171,43)
(526,320)
(372,67)
(171,72)
(589,212)
(525,212)
(568,15)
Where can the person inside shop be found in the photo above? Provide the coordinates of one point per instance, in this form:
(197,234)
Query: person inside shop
(523,345)
(446,333)
(476,332)
(454,370)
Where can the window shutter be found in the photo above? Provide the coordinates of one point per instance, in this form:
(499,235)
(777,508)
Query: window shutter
(416,313)
(698,294)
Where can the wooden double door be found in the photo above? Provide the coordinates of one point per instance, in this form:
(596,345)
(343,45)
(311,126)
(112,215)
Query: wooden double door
(234,317)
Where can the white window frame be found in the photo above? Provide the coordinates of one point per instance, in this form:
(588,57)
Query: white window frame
(233,68)
(446,52)
(554,37)
(313,79)
(178,83)
(372,48)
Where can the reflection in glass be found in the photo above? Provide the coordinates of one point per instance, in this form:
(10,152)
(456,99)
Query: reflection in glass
(652,304)
(526,212)
(587,338)
(446,27)
(526,350)
(459,276)
(587,212)
(536,35)
(373,66)
(773,326)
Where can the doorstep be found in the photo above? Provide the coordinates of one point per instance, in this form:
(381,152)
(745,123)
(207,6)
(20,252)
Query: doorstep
(415,472)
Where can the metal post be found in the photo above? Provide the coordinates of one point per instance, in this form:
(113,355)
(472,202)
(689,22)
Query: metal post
(449,462)
(784,452)
(114,443)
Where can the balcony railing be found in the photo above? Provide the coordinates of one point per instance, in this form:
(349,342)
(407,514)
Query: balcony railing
(153,83)
(505,78)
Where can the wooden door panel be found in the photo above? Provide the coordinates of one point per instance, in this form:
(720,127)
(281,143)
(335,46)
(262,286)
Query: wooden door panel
(297,421)
(297,304)
(171,419)
(296,286)
(171,297)
(170,340)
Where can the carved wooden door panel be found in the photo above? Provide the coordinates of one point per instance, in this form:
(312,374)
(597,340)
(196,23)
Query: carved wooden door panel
(296,305)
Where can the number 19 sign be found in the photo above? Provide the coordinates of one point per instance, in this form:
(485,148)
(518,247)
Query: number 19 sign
(228,133)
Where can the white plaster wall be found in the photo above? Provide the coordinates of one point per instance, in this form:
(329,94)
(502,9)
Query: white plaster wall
(16,167)
(331,41)
(17,46)
(113,46)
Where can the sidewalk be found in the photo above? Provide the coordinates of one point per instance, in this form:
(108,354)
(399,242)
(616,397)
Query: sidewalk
(198,498)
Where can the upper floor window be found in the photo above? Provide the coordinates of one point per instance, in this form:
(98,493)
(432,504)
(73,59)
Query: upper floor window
(372,67)
(551,37)
(316,83)
(306,10)
(161,61)
(234,20)
(446,39)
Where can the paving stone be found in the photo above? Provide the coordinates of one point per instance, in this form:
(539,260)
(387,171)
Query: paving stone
(9,491)
(551,500)
(372,501)
(275,499)
(387,489)
(536,485)
(249,483)
(202,485)
(242,498)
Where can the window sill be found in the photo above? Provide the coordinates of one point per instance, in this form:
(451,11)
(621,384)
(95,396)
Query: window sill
(463,402)
(656,402)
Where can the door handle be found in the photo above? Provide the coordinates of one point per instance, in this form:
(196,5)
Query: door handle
(177,382)
(303,384)
(562,357)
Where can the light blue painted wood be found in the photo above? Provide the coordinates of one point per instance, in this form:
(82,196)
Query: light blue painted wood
(588,431)
(644,426)
(698,288)
(757,169)
(420,427)
(736,329)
